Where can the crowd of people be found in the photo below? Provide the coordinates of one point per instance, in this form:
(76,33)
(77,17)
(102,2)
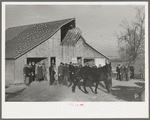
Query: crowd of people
(38,72)
(65,73)
(34,72)
(124,72)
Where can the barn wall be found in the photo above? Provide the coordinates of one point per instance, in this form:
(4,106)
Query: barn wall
(89,52)
(9,74)
(68,53)
(48,49)
(19,64)
(79,50)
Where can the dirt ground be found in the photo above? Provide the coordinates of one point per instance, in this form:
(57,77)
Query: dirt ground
(42,91)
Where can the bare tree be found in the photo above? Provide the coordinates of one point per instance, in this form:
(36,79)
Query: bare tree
(132,37)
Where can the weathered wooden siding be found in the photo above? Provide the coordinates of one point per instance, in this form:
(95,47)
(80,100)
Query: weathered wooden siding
(19,64)
(68,53)
(9,74)
(48,49)
(79,50)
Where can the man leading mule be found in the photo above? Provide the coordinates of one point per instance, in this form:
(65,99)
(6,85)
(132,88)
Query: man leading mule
(95,75)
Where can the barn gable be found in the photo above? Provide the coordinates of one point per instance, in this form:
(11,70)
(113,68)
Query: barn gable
(31,36)
(71,37)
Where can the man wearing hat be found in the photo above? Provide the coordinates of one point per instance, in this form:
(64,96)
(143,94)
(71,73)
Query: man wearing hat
(118,72)
(51,74)
(66,74)
(60,73)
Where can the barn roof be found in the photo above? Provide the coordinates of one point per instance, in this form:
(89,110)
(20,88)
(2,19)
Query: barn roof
(21,39)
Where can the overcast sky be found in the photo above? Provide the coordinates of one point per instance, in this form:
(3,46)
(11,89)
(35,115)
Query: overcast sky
(98,23)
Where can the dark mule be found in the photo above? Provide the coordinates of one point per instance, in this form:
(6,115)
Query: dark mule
(95,75)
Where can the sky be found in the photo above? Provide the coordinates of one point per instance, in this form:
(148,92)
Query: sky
(98,23)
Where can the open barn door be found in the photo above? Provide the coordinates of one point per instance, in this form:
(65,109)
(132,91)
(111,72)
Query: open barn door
(100,61)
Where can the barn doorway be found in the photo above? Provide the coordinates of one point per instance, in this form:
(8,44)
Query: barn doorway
(89,62)
(37,60)
(53,60)
(43,61)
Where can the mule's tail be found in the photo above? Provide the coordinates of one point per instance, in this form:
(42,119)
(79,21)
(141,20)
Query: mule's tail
(75,76)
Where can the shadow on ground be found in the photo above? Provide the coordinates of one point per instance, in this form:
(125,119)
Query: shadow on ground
(90,85)
(126,93)
(140,84)
(9,95)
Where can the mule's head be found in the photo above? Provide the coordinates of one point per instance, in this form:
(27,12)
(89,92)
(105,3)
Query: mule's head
(109,82)
(108,68)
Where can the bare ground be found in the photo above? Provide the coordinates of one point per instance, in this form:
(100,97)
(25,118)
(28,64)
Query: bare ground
(42,91)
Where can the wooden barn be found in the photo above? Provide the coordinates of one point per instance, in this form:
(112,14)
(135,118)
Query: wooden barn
(57,41)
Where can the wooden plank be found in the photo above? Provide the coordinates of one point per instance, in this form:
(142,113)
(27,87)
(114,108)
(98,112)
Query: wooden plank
(19,64)
(9,71)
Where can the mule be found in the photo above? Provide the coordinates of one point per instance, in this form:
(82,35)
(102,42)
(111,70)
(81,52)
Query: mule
(95,75)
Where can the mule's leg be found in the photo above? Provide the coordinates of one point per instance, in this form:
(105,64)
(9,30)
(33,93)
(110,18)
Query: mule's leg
(96,87)
(84,85)
(70,83)
(74,85)
(107,87)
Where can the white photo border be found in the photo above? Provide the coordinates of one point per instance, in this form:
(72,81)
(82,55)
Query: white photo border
(89,109)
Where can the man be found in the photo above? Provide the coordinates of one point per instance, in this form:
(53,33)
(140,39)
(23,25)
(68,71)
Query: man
(141,70)
(39,73)
(94,66)
(71,70)
(66,74)
(60,73)
(33,70)
(127,72)
(122,72)
(27,74)
(118,72)
(44,71)
(99,66)
(51,74)
(24,73)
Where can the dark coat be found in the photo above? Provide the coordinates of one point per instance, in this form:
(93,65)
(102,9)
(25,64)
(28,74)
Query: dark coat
(66,71)
(39,72)
(117,69)
(60,70)
(27,71)
(122,70)
(24,70)
(44,70)
(127,70)
(33,69)
(51,71)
